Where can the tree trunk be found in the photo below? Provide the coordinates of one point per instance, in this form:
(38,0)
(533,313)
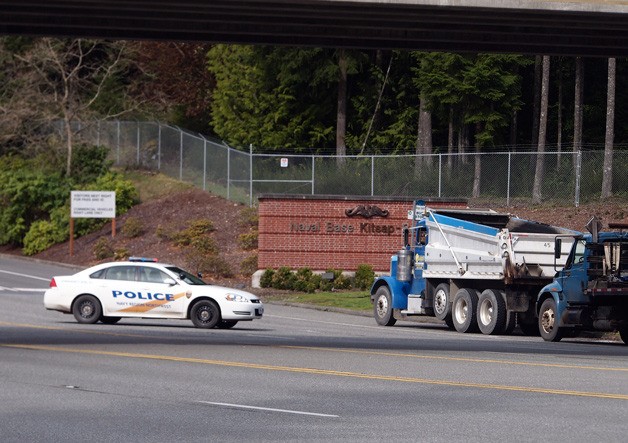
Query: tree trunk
(463,142)
(540,156)
(424,136)
(536,110)
(69,141)
(607,177)
(450,141)
(578,105)
(478,164)
(559,117)
(513,130)
(341,117)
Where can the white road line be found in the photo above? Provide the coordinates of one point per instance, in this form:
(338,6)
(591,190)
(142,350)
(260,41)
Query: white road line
(287,411)
(25,275)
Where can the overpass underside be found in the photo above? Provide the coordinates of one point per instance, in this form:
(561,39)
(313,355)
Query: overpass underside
(554,27)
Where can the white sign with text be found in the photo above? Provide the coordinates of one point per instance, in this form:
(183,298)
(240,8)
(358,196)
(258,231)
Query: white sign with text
(93,204)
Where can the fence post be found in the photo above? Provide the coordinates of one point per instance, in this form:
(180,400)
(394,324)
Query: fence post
(228,173)
(508,182)
(159,146)
(137,144)
(204,163)
(440,173)
(578,169)
(313,163)
(118,145)
(372,175)
(180,154)
(251,175)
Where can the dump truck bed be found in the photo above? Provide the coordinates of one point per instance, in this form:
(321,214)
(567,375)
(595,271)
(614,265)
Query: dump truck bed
(494,246)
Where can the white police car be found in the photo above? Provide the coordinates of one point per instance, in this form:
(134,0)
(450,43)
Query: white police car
(144,288)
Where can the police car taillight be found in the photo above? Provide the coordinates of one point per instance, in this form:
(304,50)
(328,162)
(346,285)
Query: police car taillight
(53,283)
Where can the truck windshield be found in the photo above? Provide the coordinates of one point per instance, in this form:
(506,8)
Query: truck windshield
(186,276)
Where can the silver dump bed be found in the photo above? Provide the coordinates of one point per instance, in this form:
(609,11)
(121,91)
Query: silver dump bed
(467,244)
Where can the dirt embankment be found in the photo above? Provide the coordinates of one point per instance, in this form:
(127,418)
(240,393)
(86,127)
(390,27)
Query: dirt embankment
(176,211)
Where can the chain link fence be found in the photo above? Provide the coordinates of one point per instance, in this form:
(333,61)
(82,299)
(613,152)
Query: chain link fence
(504,177)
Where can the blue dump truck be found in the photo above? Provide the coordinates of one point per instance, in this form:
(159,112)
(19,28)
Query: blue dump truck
(488,271)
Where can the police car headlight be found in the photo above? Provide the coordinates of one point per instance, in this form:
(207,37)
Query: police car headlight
(237,298)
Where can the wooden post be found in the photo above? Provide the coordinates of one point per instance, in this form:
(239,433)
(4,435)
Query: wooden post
(71,236)
(113,227)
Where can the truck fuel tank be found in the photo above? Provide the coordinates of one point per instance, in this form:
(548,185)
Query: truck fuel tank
(404,265)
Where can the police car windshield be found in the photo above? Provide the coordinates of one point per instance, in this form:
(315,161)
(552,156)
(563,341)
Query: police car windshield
(186,276)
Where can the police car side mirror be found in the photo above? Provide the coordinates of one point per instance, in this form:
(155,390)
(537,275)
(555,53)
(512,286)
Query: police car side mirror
(170,281)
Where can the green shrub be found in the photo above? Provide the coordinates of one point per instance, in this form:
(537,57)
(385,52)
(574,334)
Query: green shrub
(248,240)
(126,194)
(249,217)
(248,266)
(133,227)
(28,193)
(195,229)
(41,235)
(284,278)
(306,281)
(121,254)
(103,248)
(266,280)
(215,265)
(364,277)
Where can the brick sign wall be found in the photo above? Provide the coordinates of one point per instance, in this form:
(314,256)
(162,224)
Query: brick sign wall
(332,232)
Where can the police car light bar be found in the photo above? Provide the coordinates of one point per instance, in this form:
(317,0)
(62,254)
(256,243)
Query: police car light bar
(143,259)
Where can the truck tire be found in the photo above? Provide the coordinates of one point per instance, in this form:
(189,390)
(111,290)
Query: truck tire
(511,322)
(382,307)
(491,313)
(464,309)
(548,322)
(442,303)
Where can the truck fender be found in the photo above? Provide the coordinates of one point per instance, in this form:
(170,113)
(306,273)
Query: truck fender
(398,291)
(553,290)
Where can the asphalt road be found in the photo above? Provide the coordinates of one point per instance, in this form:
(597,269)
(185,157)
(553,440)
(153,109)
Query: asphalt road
(296,375)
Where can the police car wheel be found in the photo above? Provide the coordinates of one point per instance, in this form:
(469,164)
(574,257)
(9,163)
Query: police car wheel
(87,309)
(205,314)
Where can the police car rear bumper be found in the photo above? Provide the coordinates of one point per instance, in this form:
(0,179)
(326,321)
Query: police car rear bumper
(55,301)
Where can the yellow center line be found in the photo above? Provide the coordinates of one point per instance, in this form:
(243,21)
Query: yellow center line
(350,351)
(461,359)
(323,372)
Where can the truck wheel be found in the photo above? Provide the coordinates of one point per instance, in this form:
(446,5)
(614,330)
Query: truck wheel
(442,302)
(548,322)
(463,311)
(511,322)
(491,313)
(382,308)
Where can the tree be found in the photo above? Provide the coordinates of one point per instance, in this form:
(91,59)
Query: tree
(540,158)
(68,80)
(607,176)
(341,116)
(578,109)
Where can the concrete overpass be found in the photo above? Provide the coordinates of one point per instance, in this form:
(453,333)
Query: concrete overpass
(554,27)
